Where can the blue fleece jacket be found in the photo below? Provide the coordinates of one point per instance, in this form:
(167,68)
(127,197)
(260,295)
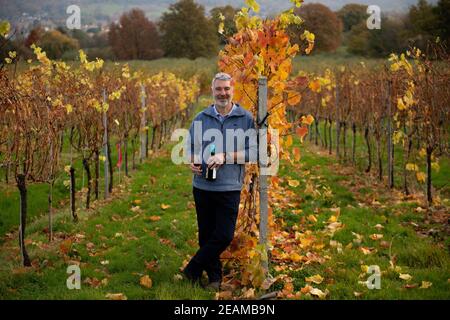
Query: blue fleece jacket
(230,176)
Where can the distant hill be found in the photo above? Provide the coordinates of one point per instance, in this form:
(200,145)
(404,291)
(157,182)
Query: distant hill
(106,10)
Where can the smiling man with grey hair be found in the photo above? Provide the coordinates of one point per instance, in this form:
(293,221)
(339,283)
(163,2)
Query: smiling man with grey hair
(217,197)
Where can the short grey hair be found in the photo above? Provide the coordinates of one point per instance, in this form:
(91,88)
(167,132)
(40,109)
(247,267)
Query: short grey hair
(221,76)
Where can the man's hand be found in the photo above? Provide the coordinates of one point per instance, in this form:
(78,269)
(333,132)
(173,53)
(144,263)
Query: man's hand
(196,169)
(216,161)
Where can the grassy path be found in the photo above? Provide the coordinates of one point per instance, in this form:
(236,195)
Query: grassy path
(149,228)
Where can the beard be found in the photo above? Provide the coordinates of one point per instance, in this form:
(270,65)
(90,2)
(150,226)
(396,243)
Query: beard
(222,101)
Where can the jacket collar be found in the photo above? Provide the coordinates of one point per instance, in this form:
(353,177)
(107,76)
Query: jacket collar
(238,111)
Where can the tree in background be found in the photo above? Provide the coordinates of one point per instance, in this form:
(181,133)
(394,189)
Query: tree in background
(442,12)
(55,44)
(135,37)
(187,32)
(321,21)
(229,27)
(34,36)
(351,15)
(391,38)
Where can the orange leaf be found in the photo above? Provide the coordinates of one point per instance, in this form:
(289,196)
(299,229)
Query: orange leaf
(314,85)
(308,119)
(302,132)
(155,218)
(116,296)
(146,281)
(293,98)
(296,153)
(289,141)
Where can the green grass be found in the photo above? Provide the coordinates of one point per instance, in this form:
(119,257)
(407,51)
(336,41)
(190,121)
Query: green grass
(439,178)
(126,239)
(421,257)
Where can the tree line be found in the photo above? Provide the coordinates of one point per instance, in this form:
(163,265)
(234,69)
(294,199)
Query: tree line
(185,30)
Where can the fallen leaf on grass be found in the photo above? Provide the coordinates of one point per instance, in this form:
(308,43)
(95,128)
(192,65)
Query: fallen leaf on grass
(248,294)
(146,281)
(116,217)
(405,276)
(154,218)
(167,242)
(293,183)
(177,277)
(366,250)
(425,285)
(376,236)
(116,296)
(225,295)
(319,293)
(317,279)
(65,246)
(152,265)
(165,206)
(295,257)
(136,209)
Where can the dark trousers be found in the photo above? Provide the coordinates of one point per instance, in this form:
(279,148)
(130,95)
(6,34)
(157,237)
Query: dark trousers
(216,217)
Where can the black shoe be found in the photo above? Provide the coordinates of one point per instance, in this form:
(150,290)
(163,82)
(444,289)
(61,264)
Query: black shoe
(191,278)
(213,286)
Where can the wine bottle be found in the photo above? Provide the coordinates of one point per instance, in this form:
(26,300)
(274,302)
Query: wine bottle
(211,173)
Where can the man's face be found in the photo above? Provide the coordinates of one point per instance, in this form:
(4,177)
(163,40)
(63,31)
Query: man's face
(223,93)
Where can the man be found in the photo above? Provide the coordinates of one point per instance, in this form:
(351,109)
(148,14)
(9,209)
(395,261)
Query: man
(217,201)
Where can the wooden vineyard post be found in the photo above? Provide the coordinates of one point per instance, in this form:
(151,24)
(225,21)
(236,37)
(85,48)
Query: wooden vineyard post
(143,133)
(263,163)
(105,145)
(390,147)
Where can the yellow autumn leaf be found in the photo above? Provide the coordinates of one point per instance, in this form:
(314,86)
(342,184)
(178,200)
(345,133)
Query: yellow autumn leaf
(116,296)
(165,206)
(435,166)
(425,285)
(317,279)
(293,183)
(400,104)
(146,281)
(421,176)
(412,167)
(309,119)
(295,257)
(405,276)
(423,152)
(312,218)
(253,5)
